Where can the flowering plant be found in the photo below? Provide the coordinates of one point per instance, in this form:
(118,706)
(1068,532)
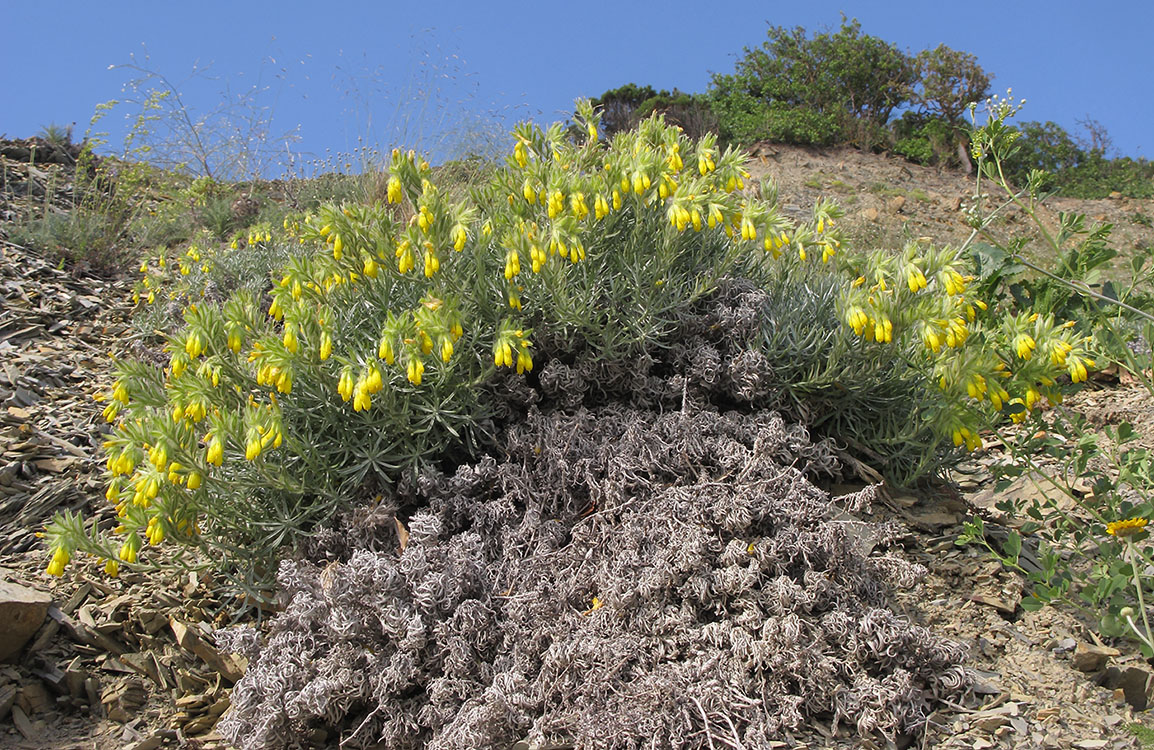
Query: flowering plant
(372,354)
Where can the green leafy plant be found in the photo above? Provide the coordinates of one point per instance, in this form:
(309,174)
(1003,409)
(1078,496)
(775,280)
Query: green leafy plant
(1091,550)
(1088,524)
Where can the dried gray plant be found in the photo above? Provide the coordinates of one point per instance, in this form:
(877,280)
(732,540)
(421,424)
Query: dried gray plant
(618,579)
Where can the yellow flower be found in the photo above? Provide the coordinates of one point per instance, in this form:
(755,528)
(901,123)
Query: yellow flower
(857,320)
(128,550)
(60,558)
(394,190)
(345,385)
(215,454)
(1024,344)
(600,207)
(932,340)
(361,399)
(112,568)
(326,346)
(512,264)
(1129,527)
(416,369)
(915,279)
(503,354)
(1077,368)
(748,230)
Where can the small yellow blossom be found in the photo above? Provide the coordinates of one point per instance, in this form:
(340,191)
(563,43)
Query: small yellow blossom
(1129,527)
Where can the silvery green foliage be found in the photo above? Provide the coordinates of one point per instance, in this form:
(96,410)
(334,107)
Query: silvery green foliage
(734,600)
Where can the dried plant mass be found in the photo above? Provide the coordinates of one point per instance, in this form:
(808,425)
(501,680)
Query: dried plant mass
(619,579)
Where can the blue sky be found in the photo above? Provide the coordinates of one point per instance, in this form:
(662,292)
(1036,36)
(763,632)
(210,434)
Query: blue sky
(341,74)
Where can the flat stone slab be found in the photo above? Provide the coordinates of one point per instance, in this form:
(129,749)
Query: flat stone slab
(22,612)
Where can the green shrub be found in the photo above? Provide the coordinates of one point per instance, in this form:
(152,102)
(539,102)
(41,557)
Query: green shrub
(842,86)
(625,107)
(1072,169)
(949,81)
(927,140)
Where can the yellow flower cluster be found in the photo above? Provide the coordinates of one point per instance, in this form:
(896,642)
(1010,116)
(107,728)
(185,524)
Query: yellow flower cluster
(924,291)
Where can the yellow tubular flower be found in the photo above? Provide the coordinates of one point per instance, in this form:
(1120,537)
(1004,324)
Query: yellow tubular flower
(326,346)
(415,370)
(373,382)
(361,399)
(915,279)
(1024,344)
(112,568)
(1058,352)
(748,231)
(524,361)
(600,207)
(345,385)
(998,396)
(512,264)
(1077,368)
(932,339)
(394,190)
(857,319)
(502,354)
(60,558)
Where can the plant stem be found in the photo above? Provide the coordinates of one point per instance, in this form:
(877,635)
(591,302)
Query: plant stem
(1138,589)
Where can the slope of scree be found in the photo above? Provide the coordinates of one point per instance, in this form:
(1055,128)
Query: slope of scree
(620,579)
